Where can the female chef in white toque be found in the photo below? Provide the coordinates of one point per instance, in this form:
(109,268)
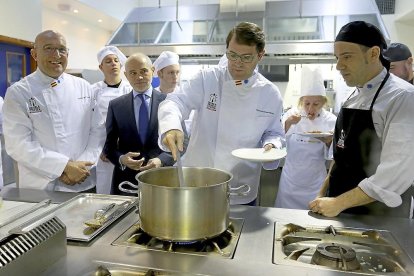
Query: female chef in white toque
(305,169)
(111,60)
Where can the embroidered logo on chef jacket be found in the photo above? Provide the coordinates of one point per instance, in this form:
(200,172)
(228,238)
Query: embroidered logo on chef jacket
(212,102)
(341,140)
(34,106)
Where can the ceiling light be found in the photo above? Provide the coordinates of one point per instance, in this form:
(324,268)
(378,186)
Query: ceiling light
(100,20)
(75,11)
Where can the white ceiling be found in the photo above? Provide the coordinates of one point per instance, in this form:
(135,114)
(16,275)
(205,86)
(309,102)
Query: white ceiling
(107,14)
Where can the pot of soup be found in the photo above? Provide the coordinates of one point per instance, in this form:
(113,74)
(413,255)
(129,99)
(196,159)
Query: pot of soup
(194,211)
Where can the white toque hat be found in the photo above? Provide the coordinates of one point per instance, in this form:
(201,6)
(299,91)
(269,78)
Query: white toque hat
(111,50)
(312,82)
(166,58)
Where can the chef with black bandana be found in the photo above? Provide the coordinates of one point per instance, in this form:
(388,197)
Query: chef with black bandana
(373,140)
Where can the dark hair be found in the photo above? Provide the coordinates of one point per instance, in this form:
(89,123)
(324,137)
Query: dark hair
(247,33)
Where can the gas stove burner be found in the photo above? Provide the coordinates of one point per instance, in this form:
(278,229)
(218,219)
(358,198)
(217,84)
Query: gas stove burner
(362,251)
(335,255)
(223,244)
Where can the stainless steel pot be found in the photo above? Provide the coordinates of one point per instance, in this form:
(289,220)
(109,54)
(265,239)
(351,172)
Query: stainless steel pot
(197,211)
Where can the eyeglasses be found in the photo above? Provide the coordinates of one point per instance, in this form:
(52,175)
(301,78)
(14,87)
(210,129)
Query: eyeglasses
(50,50)
(243,58)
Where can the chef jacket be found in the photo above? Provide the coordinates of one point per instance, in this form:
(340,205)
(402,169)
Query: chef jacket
(394,125)
(305,166)
(48,122)
(231,114)
(104,94)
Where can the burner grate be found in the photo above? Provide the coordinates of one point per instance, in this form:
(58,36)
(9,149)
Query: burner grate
(222,245)
(344,249)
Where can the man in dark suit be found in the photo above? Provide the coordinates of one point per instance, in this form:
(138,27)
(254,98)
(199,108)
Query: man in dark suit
(132,125)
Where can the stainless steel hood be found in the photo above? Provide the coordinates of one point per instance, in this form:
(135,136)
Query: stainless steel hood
(297,31)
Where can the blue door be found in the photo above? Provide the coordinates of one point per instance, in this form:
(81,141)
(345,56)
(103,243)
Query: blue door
(14,65)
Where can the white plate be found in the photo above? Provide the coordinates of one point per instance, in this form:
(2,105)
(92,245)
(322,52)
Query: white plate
(317,135)
(259,155)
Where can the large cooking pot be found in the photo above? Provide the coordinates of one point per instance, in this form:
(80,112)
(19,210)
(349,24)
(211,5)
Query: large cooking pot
(197,211)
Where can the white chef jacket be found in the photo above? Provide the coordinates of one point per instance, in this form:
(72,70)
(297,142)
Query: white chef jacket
(305,167)
(104,95)
(229,117)
(48,122)
(393,121)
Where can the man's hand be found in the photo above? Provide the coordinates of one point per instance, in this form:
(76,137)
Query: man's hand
(152,163)
(326,206)
(103,157)
(75,172)
(129,161)
(65,179)
(174,140)
(268,147)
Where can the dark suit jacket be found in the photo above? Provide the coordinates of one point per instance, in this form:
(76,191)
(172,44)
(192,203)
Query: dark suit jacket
(122,137)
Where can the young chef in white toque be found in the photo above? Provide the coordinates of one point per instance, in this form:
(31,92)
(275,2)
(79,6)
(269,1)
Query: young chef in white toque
(373,142)
(52,127)
(236,108)
(110,60)
(167,68)
(305,167)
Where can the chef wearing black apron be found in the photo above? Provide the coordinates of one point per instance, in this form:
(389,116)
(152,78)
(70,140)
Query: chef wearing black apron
(357,147)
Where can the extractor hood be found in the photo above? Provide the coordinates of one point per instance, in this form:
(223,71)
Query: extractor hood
(297,31)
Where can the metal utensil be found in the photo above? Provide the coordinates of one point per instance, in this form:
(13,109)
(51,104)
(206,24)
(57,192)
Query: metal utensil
(100,216)
(17,216)
(101,212)
(108,217)
(180,170)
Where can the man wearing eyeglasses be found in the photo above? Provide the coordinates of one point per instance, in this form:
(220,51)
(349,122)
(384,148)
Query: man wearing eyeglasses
(236,107)
(52,127)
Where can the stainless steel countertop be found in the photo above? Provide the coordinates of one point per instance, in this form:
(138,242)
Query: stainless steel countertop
(253,254)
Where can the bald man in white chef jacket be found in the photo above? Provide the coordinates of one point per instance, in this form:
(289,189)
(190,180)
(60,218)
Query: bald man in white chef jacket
(52,127)
(110,60)
(236,108)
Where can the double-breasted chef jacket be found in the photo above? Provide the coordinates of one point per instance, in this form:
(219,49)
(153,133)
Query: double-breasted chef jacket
(231,114)
(48,122)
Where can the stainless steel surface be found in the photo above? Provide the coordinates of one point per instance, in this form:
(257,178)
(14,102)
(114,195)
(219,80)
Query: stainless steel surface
(29,210)
(362,251)
(297,31)
(253,255)
(34,251)
(74,212)
(197,211)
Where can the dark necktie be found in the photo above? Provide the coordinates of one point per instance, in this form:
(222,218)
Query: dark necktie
(143,119)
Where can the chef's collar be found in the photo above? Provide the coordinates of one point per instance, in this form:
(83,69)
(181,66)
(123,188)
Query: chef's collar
(243,83)
(113,85)
(46,80)
(147,92)
(374,83)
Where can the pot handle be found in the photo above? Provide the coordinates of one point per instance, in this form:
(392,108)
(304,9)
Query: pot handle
(236,191)
(128,190)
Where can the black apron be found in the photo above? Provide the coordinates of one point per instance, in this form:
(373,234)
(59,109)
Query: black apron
(357,150)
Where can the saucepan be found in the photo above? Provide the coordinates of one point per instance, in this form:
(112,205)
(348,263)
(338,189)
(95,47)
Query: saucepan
(196,211)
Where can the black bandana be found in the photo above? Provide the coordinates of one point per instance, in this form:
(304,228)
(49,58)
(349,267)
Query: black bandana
(363,33)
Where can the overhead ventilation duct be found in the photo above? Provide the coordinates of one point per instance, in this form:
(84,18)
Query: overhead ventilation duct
(297,31)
